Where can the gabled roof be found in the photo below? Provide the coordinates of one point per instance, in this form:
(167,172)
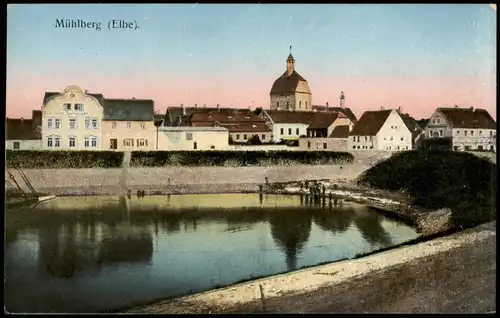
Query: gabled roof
(287,84)
(21,129)
(423,122)
(128,109)
(49,95)
(173,113)
(291,117)
(341,131)
(248,127)
(370,123)
(226,116)
(322,120)
(344,110)
(468,117)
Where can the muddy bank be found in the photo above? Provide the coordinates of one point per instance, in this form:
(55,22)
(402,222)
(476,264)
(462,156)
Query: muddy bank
(310,285)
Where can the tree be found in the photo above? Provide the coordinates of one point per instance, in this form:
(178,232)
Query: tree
(254,140)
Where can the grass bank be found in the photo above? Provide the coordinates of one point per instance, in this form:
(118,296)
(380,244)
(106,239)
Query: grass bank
(462,182)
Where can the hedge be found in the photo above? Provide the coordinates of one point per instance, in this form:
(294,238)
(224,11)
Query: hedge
(60,159)
(236,158)
(460,181)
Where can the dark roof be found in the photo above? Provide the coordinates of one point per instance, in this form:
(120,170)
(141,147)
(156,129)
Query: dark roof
(322,120)
(226,116)
(410,122)
(49,95)
(344,110)
(468,117)
(173,113)
(22,129)
(423,122)
(129,109)
(287,84)
(291,117)
(248,127)
(341,131)
(370,123)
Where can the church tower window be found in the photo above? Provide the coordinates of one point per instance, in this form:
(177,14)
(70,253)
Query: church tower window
(300,104)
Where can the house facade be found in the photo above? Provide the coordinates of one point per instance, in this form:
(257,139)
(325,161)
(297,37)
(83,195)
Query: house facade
(468,128)
(287,125)
(24,134)
(192,138)
(129,125)
(383,130)
(72,120)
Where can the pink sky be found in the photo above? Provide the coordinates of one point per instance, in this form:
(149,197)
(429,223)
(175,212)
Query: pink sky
(417,96)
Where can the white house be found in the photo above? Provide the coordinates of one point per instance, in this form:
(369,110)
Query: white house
(24,134)
(192,138)
(386,130)
(468,128)
(71,120)
(288,125)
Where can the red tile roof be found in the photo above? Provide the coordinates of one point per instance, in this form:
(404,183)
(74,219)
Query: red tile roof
(370,123)
(468,117)
(287,84)
(341,131)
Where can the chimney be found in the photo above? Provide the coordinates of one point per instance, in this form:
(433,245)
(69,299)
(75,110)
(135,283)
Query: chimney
(218,106)
(86,91)
(399,109)
(183,110)
(204,105)
(472,108)
(351,125)
(326,104)
(133,97)
(382,107)
(22,119)
(195,105)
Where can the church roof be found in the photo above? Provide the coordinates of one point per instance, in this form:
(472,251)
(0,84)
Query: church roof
(287,84)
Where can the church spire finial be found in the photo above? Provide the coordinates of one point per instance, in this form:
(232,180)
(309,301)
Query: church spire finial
(290,49)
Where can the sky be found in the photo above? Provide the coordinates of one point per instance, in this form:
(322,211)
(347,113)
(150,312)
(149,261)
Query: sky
(416,56)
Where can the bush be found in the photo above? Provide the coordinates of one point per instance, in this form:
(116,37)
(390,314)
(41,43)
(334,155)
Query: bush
(232,158)
(254,140)
(49,159)
(460,181)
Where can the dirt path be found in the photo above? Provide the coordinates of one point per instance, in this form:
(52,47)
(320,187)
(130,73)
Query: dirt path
(461,280)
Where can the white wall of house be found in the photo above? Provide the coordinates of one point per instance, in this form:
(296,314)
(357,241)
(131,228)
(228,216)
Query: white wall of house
(362,143)
(394,134)
(288,131)
(72,121)
(474,139)
(35,144)
(323,144)
(245,136)
(438,126)
(128,135)
(185,138)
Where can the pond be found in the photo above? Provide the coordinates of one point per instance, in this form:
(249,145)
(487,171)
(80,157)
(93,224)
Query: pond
(96,254)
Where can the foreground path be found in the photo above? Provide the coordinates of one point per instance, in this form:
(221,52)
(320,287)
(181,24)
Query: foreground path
(461,280)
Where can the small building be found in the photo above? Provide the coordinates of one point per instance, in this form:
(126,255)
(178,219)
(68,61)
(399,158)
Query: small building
(24,134)
(328,131)
(468,128)
(381,130)
(192,138)
(129,125)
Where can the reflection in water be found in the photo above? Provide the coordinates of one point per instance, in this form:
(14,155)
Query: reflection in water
(96,254)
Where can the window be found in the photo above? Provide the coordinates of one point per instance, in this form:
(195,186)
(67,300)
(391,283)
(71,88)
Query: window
(17,145)
(237,136)
(491,133)
(86,142)
(371,147)
(353,138)
(371,138)
(49,142)
(472,132)
(67,106)
(57,123)
(129,125)
(49,123)
(72,123)
(480,133)
(465,133)
(277,104)
(458,132)
(142,142)
(297,131)
(289,131)
(358,138)
(287,105)
(195,145)
(79,107)
(93,141)
(300,104)
(390,138)
(306,104)
(113,125)
(402,138)
(143,125)
(72,142)
(57,142)
(244,136)
(366,138)
(282,131)
(189,136)
(324,145)
(309,145)
(433,121)
(438,120)
(480,148)
(128,142)
(87,123)
(385,138)
(94,123)
(353,147)
(263,137)
(359,147)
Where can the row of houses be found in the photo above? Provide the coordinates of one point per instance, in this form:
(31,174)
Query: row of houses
(77,120)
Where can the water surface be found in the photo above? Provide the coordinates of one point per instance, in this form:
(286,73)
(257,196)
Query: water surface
(94,254)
